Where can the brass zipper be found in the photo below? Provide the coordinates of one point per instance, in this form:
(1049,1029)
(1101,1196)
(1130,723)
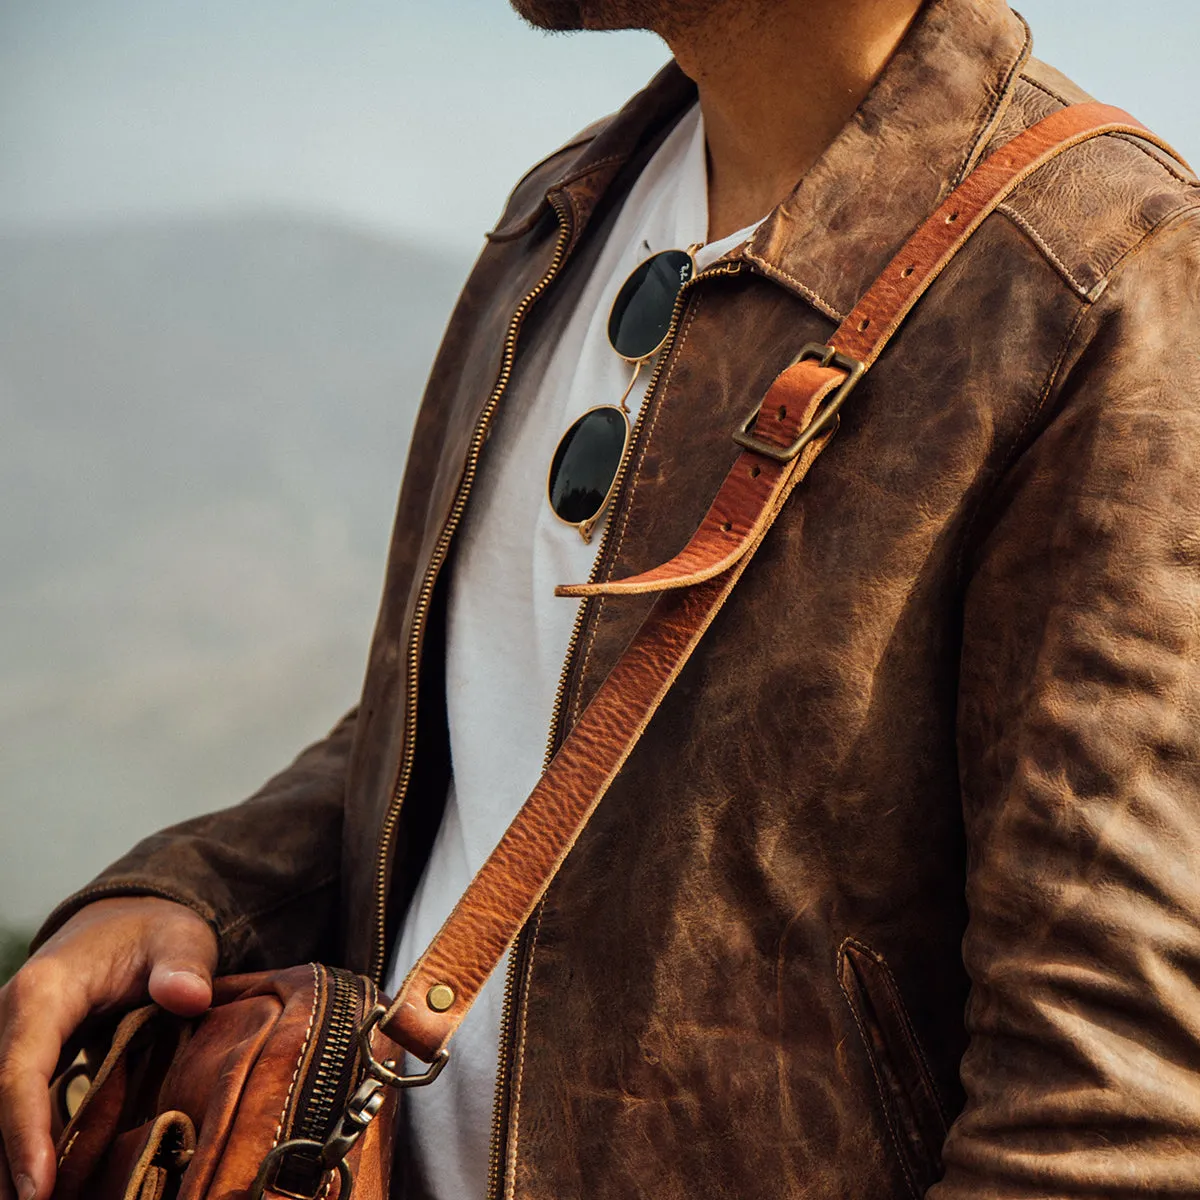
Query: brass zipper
(519,949)
(478,437)
(327,1082)
(329,1079)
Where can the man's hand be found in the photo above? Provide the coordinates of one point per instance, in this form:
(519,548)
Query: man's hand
(106,956)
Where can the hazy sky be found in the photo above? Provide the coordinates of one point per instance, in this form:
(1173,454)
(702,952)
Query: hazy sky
(412,115)
(413,118)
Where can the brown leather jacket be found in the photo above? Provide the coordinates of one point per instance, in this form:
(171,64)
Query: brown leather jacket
(940,753)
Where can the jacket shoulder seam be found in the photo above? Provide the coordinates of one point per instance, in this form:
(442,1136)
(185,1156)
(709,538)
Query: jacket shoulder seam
(1041,87)
(1030,230)
(1141,146)
(1187,204)
(1133,140)
(1190,196)
(1021,441)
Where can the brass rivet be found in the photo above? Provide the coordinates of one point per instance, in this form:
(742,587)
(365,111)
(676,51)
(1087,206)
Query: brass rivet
(440,997)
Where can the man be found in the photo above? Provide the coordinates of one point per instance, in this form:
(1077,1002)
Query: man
(938,754)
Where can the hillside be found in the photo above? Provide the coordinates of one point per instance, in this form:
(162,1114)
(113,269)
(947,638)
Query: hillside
(202,428)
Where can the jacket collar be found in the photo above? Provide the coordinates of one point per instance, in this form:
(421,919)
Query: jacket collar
(920,130)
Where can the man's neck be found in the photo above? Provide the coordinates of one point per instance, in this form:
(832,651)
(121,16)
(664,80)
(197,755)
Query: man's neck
(778,79)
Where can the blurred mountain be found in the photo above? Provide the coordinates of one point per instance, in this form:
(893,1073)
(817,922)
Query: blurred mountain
(203,424)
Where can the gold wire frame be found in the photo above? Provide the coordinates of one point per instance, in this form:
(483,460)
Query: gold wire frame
(587,527)
(691,254)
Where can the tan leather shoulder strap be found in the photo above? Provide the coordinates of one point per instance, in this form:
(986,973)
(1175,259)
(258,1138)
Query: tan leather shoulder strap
(781,439)
(725,534)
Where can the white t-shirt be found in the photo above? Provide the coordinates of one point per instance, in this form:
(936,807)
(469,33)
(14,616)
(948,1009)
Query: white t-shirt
(508,634)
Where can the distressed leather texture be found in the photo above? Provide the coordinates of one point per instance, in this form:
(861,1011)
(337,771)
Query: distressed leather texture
(900,893)
(502,897)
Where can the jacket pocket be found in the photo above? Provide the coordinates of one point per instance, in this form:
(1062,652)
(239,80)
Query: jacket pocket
(907,1093)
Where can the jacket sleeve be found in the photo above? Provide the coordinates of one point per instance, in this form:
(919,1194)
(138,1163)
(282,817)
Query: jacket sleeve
(265,874)
(1079,750)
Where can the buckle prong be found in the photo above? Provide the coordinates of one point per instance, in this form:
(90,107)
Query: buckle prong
(827,414)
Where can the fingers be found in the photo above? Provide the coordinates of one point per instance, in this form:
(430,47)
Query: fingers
(8,1187)
(103,957)
(39,1009)
(21,1189)
(182,955)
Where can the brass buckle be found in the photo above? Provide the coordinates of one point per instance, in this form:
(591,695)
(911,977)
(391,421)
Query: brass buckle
(265,1179)
(826,415)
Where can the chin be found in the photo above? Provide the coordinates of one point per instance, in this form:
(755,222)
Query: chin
(558,15)
(565,15)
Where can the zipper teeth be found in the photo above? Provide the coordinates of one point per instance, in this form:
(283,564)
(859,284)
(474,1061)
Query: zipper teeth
(495,1155)
(333,1067)
(425,596)
(731,268)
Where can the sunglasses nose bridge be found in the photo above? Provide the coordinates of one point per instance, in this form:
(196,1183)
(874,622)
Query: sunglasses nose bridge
(587,462)
(637,370)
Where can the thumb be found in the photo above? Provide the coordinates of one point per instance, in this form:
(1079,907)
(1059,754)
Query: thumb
(182,956)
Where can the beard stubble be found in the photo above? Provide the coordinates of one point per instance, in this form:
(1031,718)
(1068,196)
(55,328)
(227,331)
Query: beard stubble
(658,16)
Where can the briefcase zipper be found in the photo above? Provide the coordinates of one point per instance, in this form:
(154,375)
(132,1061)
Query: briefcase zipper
(518,956)
(335,1064)
(343,1000)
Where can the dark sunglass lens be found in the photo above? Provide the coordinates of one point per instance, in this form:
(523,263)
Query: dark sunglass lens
(641,313)
(586,462)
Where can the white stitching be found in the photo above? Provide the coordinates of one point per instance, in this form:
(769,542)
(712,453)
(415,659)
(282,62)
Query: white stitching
(67,1148)
(312,1016)
(1024,224)
(1041,87)
(870,1056)
(1137,143)
(774,272)
(510,1166)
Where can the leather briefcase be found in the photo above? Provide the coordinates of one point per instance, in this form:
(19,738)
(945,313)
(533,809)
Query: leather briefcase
(285,1087)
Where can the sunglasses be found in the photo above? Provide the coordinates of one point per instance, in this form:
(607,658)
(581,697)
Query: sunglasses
(586,464)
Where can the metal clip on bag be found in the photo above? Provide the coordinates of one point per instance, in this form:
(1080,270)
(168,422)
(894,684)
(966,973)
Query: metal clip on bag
(288,1086)
(283,1086)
